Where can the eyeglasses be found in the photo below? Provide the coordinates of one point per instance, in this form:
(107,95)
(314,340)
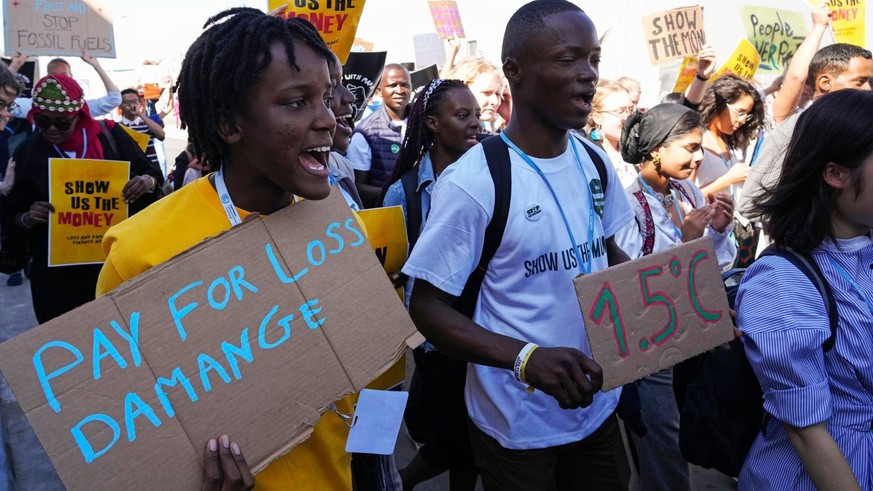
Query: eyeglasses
(8,107)
(744,117)
(44,122)
(621,112)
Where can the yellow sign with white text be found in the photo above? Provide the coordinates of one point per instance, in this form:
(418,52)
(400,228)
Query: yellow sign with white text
(847,20)
(743,62)
(86,195)
(336,20)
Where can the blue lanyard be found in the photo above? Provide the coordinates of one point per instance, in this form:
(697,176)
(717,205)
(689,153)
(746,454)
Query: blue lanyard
(84,147)
(852,282)
(651,192)
(225,199)
(586,267)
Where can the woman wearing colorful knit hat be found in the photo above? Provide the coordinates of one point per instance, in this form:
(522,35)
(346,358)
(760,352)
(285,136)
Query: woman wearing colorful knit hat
(65,129)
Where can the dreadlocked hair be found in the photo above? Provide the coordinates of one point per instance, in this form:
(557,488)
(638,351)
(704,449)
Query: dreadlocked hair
(225,63)
(419,139)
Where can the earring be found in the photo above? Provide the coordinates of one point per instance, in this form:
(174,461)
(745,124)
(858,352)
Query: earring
(596,134)
(656,160)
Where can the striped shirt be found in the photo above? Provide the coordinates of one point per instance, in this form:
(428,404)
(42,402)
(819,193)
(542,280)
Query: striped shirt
(139,125)
(784,323)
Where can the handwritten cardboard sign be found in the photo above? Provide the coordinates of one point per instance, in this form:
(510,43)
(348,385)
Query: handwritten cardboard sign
(446,18)
(86,195)
(848,20)
(775,33)
(429,50)
(743,62)
(44,27)
(649,314)
(674,34)
(336,20)
(253,333)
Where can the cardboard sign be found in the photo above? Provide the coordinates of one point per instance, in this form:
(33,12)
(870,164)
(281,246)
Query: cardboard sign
(649,314)
(743,62)
(386,231)
(687,72)
(42,27)
(86,195)
(141,139)
(336,20)
(253,333)
(674,34)
(446,18)
(848,20)
(361,45)
(775,33)
(361,74)
(429,50)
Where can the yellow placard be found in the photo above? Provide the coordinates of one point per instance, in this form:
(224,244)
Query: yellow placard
(686,74)
(336,20)
(386,231)
(847,21)
(86,195)
(141,139)
(743,62)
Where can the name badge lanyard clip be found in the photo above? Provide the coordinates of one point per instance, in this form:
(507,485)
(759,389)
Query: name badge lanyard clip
(584,267)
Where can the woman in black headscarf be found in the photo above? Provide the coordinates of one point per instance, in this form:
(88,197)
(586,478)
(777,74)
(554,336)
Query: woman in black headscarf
(670,209)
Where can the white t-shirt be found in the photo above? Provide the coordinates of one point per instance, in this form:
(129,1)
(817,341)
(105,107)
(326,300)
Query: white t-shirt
(528,290)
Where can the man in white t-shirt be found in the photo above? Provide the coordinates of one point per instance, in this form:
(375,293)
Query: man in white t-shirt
(564,434)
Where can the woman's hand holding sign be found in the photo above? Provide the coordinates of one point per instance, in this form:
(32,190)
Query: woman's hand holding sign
(225,468)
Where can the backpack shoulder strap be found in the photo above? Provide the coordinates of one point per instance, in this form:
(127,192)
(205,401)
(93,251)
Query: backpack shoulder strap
(595,157)
(409,180)
(109,138)
(497,155)
(807,265)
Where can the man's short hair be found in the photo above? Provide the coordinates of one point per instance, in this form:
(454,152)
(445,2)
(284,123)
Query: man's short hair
(129,91)
(834,59)
(527,23)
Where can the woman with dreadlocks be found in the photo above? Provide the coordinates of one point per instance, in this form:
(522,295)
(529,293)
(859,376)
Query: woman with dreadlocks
(443,124)
(255,94)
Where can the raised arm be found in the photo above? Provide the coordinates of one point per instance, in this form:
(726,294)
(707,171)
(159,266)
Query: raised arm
(705,68)
(788,98)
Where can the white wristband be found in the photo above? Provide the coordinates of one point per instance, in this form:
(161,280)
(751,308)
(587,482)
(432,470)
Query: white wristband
(521,358)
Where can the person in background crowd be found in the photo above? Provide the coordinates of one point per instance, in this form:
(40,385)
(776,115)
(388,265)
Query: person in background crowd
(443,125)
(670,209)
(100,106)
(255,92)
(611,107)
(134,117)
(343,106)
(9,90)
(563,432)
(484,79)
(67,130)
(732,112)
(633,88)
(835,67)
(376,141)
(817,434)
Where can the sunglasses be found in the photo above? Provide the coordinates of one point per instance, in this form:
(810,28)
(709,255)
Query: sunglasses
(44,122)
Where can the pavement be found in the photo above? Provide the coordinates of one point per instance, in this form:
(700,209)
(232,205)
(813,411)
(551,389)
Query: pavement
(25,466)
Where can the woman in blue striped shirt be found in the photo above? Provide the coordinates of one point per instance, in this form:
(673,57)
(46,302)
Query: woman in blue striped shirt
(819,436)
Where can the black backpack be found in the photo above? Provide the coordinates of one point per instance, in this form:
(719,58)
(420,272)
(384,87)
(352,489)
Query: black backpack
(718,395)
(497,155)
